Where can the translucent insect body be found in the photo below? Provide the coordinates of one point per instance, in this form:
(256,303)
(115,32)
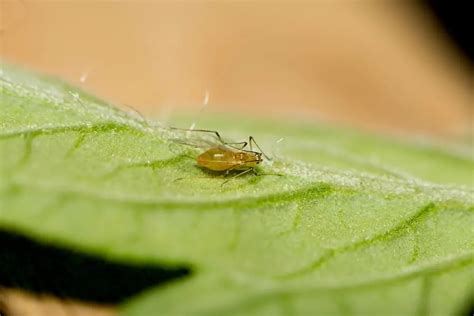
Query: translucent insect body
(227,156)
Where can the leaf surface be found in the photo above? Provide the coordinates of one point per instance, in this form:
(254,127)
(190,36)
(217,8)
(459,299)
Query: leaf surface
(357,224)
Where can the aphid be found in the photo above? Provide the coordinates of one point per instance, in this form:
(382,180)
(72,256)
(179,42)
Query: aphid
(223,157)
(227,156)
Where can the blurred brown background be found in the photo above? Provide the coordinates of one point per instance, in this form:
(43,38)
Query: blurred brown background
(374,64)
(369,63)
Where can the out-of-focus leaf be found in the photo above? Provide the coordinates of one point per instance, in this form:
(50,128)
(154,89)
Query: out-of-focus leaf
(356,225)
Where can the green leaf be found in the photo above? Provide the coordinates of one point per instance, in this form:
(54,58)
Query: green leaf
(356,225)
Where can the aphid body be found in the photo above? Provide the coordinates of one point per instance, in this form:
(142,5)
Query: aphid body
(224,158)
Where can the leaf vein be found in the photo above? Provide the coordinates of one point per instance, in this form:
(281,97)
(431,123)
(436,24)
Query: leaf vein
(153,164)
(407,274)
(423,304)
(390,233)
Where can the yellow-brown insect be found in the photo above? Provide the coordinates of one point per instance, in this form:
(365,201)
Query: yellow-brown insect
(226,157)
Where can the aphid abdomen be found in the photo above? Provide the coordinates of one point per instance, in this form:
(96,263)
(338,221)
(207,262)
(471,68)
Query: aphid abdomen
(217,159)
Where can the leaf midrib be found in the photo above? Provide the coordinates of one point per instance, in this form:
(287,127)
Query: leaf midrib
(114,126)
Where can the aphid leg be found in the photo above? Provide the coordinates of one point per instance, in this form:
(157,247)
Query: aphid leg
(238,175)
(200,130)
(242,145)
(185,143)
(216,133)
(252,140)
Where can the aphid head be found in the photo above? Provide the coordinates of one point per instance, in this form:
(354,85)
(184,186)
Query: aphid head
(250,157)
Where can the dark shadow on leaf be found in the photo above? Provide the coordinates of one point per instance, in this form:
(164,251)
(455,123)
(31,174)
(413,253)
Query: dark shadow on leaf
(468,308)
(40,268)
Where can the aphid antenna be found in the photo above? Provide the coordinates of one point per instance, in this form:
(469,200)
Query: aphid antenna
(252,140)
